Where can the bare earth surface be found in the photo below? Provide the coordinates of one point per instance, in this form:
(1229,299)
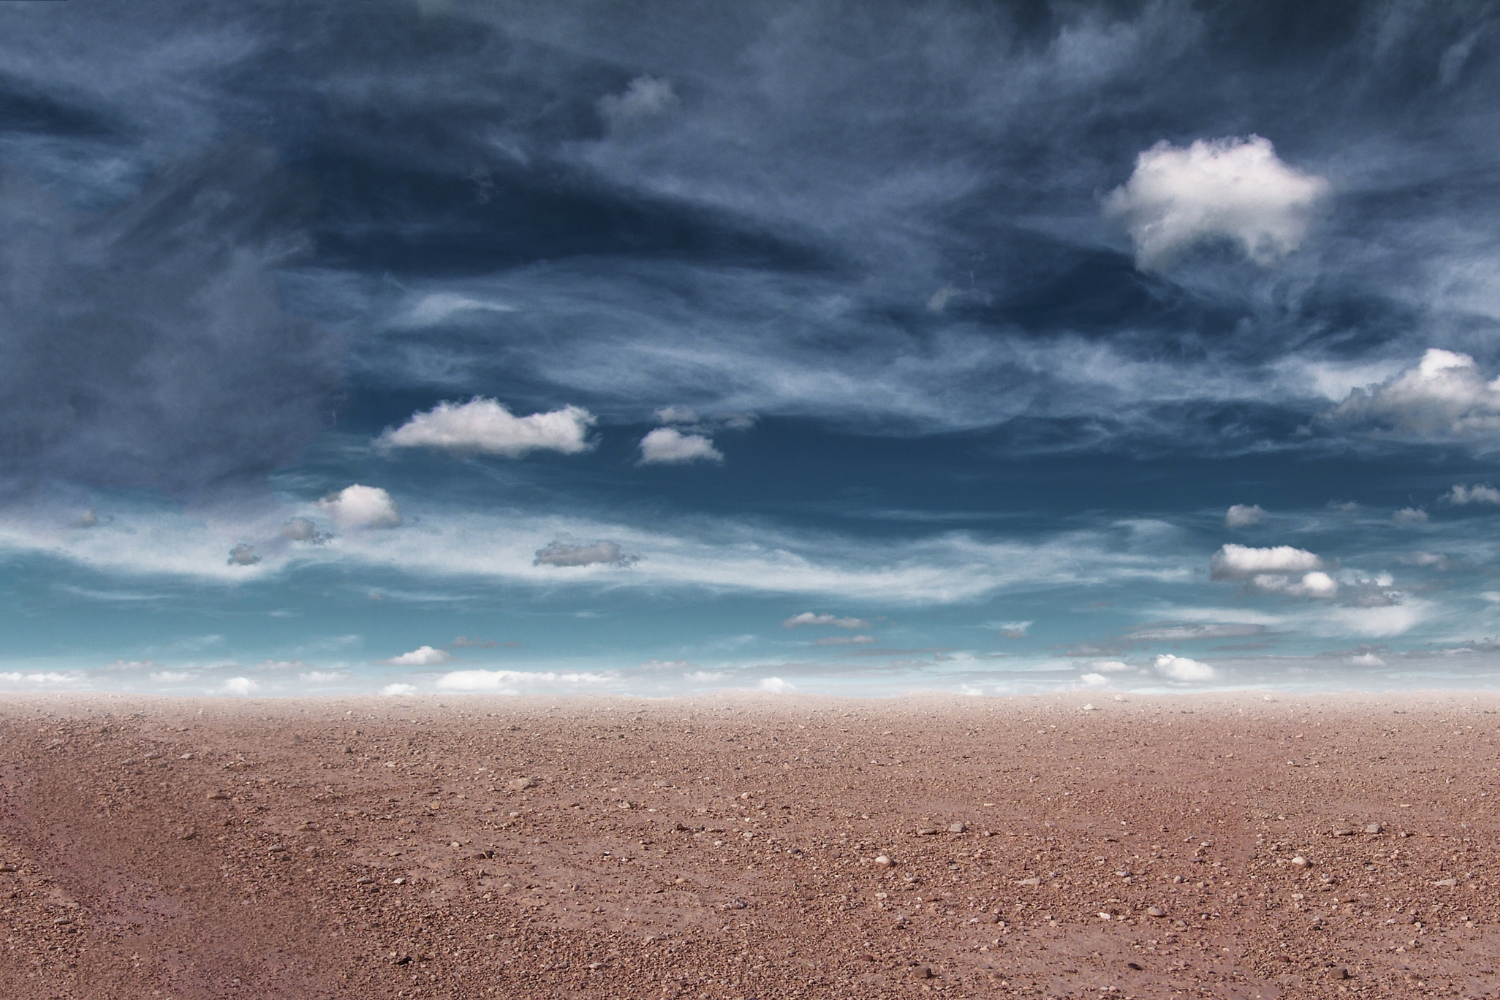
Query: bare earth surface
(1229,847)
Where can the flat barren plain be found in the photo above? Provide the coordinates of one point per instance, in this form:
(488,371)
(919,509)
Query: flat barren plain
(1240,846)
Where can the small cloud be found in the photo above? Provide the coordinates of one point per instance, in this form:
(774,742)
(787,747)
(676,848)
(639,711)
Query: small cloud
(1168,632)
(280,666)
(660,665)
(1444,396)
(704,677)
(437,307)
(485,426)
(243,555)
(558,553)
(393,690)
(775,685)
(809,618)
(302,529)
(1462,495)
(1011,630)
(172,676)
(239,685)
(1242,562)
(1094,680)
(88,519)
(1364,660)
(1240,516)
(362,507)
(645,97)
(1436,560)
(1230,189)
(669,446)
(1109,666)
(323,676)
(133,665)
(1180,668)
(676,415)
(938,300)
(422,656)
(845,640)
(469,642)
(1409,515)
(1343,506)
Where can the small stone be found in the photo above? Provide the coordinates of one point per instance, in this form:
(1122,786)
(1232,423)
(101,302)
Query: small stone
(922,972)
(626,805)
(1155,911)
(1105,916)
(927,831)
(276,849)
(1446,882)
(1343,832)
(1090,708)
(520,784)
(1373,828)
(883,861)
(1029,881)
(398,881)
(7,868)
(187,835)
(1299,862)
(63,920)
(956,828)
(363,880)
(1134,965)
(217,795)
(1339,973)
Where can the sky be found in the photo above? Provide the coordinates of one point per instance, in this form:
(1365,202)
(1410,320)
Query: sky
(438,346)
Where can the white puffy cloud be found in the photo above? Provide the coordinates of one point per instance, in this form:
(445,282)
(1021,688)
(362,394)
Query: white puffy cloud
(1472,494)
(1444,396)
(1011,630)
(394,690)
(667,445)
(1243,562)
(775,685)
(1410,515)
(1094,680)
(809,618)
(362,507)
(323,676)
(38,677)
(422,656)
(484,425)
(1281,569)
(239,685)
(1180,668)
(1240,516)
(644,98)
(1108,666)
(1226,189)
(559,553)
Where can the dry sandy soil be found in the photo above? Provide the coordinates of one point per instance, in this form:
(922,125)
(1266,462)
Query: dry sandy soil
(789,847)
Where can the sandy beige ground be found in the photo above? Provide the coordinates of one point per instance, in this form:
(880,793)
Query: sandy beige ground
(716,848)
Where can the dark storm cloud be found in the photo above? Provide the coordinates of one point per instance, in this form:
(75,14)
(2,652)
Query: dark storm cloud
(146,345)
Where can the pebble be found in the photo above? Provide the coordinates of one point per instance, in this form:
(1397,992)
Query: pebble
(1446,881)
(7,868)
(922,972)
(956,828)
(1373,828)
(883,861)
(1029,881)
(1090,708)
(520,784)
(216,795)
(1155,911)
(927,831)
(276,849)
(1299,862)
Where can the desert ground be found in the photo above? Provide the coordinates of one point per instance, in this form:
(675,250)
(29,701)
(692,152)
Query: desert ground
(1237,846)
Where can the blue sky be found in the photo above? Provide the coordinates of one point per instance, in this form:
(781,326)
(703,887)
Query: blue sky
(660,348)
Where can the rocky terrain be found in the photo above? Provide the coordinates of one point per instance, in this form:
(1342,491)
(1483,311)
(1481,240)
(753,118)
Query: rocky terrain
(1227,846)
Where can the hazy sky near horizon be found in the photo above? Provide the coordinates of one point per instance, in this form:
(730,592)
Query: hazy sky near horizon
(434,345)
